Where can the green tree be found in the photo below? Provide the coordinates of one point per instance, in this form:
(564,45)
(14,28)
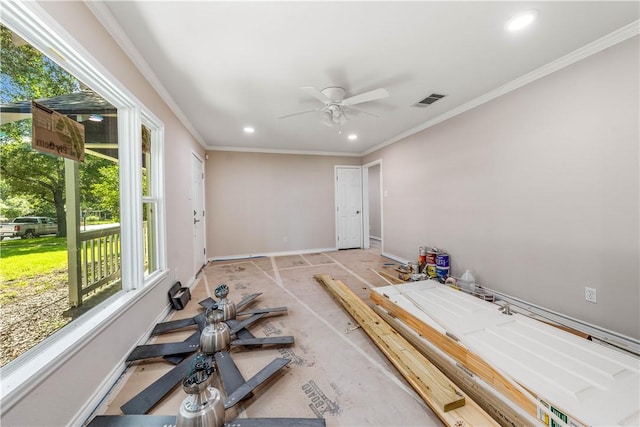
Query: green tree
(106,189)
(31,74)
(27,74)
(15,206)
(33,174)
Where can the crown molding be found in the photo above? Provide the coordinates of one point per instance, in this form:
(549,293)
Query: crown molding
(108,21)
(103,14)
(278,151)
(592,48)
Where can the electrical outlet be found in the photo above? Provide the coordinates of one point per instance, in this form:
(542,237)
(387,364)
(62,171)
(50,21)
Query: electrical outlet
(590,295)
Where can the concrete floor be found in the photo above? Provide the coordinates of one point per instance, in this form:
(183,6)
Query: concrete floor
(336,371)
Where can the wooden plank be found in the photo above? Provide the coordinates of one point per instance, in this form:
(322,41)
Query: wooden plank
(393,279)
(566,329)
(461,354)
(504,413)
(443,393)
(447,401)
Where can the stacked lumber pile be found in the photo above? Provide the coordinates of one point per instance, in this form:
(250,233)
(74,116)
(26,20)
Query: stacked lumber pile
(405,323)
(446,400)
(546,374)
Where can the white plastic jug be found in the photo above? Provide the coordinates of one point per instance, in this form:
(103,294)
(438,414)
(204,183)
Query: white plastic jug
(468,279)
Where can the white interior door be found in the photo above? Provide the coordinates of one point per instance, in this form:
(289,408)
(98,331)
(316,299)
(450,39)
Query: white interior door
(348,207)
(197,209)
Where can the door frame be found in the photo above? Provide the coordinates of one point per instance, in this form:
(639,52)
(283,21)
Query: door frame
(202,197)
(335,202)
(365,204)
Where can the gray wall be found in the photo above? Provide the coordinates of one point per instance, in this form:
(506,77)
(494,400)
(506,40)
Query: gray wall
(536,192)
(267,203)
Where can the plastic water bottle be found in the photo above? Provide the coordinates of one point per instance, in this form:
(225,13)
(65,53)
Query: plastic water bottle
(468,280)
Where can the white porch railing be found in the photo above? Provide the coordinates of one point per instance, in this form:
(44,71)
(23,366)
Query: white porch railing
(99,263)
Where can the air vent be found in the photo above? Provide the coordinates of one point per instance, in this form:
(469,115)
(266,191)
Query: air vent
(429,100)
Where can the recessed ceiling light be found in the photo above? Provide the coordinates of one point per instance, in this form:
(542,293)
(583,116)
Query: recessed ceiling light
(522,20)
(352,137)
(248,129)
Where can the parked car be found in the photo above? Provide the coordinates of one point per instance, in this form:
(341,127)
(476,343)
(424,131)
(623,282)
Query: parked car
(27,227)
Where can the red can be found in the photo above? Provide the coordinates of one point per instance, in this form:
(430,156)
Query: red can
(431,256)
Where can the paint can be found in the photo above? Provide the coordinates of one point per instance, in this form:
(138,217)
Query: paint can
(442,259)
(431,270)
(431,256)
(442,272)
(422,256)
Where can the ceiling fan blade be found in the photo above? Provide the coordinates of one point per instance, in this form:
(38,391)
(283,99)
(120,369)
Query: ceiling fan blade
(165,349)
(230,375)
(287,339)
(253,382)
(150,396)
(262,310)
(208,302)
(299,113)
(247,300)
(246,322)
(172,325)
(134,421)
(361,111)
(372,95)
(277,422)
(317,94)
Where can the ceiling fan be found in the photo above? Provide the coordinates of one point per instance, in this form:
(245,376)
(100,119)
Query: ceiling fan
(336,105)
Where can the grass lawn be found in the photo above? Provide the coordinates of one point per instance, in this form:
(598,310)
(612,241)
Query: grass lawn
(25,258)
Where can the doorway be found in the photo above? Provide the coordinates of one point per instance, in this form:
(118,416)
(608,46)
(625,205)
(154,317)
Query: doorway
(348,192)
(197,208)
(372,204)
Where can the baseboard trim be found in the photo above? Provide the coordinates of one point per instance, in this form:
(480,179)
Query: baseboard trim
(87,412)
(270,254)
(102,392)
(394,257)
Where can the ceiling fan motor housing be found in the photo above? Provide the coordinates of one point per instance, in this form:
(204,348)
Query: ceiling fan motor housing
(334,93)
(227,306)
(228,309)
(203,406)
(216,336)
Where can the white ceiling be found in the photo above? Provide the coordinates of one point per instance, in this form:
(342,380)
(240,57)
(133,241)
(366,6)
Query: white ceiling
(226,65)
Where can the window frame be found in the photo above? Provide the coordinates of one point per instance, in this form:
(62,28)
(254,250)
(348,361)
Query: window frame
(31,22)
(155,197)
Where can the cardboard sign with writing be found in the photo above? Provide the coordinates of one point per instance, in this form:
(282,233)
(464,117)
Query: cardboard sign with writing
(57,134)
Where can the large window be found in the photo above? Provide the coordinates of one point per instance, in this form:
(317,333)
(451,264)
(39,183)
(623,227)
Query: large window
(103,236)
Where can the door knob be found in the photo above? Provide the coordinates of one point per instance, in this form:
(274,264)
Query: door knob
(195,220)
(357,212)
